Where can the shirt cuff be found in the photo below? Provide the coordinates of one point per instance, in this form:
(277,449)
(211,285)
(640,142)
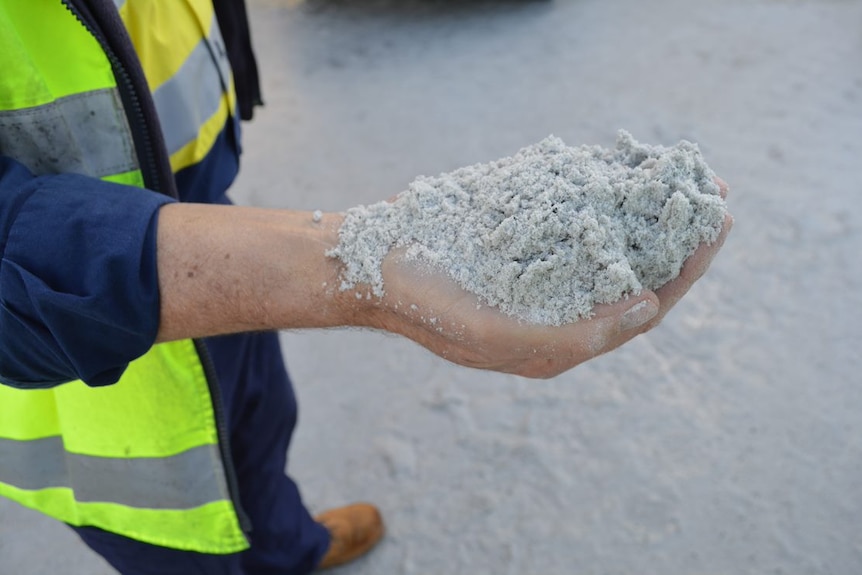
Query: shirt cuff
(79,294)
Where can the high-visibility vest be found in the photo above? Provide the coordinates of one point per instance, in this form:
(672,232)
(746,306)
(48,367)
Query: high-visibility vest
(148,456)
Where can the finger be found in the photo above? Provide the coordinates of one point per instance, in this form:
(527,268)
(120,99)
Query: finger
(633,321)
(614,324)
(693,269)
(723,188)
(558,349)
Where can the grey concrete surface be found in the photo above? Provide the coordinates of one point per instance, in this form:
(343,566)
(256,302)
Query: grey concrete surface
(728,440)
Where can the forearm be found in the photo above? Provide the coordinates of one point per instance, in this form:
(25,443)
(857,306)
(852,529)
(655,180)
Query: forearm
(225,269)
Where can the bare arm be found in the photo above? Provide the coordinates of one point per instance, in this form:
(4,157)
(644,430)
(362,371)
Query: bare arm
(226,269)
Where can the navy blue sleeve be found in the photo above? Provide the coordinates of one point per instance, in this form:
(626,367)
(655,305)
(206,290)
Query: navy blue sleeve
(79,296)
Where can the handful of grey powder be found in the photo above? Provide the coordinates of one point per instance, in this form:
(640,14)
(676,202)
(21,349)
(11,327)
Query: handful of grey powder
(550,232)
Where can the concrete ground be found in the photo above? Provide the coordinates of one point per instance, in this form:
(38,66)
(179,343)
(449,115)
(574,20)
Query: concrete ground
(728,440)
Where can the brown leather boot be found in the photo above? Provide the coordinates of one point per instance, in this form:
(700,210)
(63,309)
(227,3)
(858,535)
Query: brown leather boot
(354,530)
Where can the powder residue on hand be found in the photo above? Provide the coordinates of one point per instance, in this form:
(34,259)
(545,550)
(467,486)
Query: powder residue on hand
(547,234)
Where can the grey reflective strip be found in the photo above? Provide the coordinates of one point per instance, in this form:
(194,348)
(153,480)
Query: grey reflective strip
(194,93)
(218,51)
(119,3)
(183,481)
(84,133)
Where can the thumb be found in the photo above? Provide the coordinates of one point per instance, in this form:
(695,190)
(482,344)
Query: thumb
(616,323)
(639,313)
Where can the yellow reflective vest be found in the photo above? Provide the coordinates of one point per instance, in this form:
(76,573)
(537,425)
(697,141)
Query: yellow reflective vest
(83,83)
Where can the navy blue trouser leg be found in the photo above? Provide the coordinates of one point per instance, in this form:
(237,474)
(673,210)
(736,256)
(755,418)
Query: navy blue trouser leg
(261,411)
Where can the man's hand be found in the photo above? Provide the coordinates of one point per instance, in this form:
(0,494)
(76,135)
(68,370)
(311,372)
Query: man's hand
(429,308)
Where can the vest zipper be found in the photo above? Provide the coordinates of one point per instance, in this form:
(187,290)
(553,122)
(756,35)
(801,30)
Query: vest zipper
(148,154)
(223,434)
(145,146)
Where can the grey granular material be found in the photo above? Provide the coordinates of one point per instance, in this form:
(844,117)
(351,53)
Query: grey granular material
(550,232)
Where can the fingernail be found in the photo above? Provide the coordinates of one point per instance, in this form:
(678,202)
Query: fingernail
(638,315)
